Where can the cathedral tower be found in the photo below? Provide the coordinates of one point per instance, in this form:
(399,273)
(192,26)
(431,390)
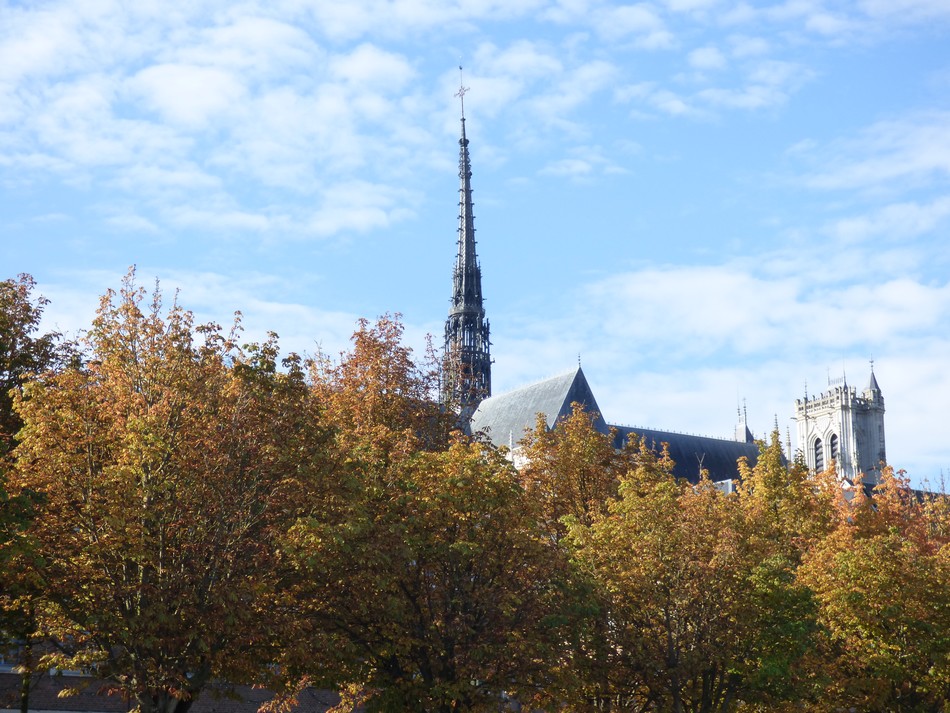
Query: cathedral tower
(467,360)
(843,426)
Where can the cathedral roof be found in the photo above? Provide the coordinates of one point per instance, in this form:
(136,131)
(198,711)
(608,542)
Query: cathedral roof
(505,418)
(718,456)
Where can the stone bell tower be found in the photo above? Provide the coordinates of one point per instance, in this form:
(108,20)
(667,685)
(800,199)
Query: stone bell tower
(844,426)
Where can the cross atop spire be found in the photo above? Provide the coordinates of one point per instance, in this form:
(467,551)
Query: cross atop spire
(461,93)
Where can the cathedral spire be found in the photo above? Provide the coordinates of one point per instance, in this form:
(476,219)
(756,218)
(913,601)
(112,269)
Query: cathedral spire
(467,367)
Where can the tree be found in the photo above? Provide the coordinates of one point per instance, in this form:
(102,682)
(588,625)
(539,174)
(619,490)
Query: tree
(22,354)
(701,614)
(787,512)
(381,404)
(167,464)
(570,474)
(434,587)
(422,581)
(882,582)
(570,471)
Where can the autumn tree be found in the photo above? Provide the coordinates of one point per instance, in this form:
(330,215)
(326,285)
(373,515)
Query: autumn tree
(790,505)
(787,512)
(702,608)
(422,579)
(380,401)
(882,582)
(22,353)
(434,594)
(570,473)
(572,470)
(167,462)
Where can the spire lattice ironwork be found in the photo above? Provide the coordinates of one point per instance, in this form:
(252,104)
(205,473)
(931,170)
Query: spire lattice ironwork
(467,367)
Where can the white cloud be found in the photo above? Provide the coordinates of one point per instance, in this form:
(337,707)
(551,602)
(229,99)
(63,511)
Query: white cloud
(132,222)
(728,310)
(352,20)
(218,219)
(825,23)
(640,21)
(359,206)
(585,161)
(76,126)
(913,149)
(573,89)
(367,66)
(768,83)
(898,221)
(573,167)
(745,46)
(691,5)
(663,100)
(778,73)
(628,92)
(791,10)
(174,181)
(254,45)
(188,95)
(567,11)
(906,10)
(750,97)
(35,43)
(706,58)
(522,59)
(739,14)
(670,103)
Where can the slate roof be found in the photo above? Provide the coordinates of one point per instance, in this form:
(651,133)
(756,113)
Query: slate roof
(691,453)
(505,418)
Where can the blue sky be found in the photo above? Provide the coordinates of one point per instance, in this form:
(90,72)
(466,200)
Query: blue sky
(707,200)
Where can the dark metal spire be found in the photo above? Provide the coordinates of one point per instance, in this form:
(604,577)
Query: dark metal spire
(467,371)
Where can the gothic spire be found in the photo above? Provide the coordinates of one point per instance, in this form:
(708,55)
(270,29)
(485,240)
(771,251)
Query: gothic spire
(467,369)
(468,274)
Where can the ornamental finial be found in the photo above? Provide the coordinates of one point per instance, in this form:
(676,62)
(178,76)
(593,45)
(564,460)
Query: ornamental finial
(461,92)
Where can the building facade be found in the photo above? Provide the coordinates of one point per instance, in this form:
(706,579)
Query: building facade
(845,427)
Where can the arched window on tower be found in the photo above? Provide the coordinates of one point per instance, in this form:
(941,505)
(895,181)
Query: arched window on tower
(819,455)
(834,447)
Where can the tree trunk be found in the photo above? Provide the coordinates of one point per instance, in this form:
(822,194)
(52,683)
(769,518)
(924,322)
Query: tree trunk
(26,675)
(164,702)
